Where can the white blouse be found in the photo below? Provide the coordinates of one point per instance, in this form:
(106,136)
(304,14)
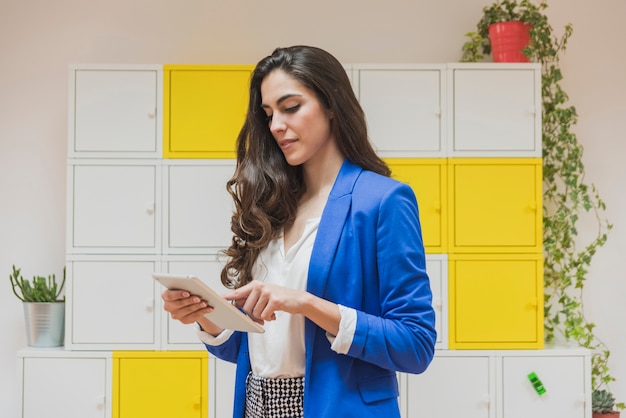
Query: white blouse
(279,351)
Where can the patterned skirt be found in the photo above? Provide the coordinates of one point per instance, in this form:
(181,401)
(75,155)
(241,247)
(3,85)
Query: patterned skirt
(274,398)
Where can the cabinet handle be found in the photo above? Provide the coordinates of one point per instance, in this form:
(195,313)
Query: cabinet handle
(533,206)
(198,403)
(150,208)
(100,403)
(532,110)
(437,304)
(438,112)
(437,207)
(150,306)
(151,115)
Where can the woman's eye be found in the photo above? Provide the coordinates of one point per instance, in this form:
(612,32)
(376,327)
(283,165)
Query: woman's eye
(291,109)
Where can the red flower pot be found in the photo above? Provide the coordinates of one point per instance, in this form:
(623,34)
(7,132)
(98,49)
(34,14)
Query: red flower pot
(508,39)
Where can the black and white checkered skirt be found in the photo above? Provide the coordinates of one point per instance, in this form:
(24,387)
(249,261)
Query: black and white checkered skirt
(274,398)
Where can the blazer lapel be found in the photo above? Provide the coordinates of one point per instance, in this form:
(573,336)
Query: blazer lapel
(331,227)
(326,242)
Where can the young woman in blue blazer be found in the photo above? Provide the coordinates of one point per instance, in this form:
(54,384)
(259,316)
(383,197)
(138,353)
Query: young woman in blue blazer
(327,254)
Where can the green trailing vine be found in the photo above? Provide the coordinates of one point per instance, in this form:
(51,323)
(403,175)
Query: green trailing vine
(566,194)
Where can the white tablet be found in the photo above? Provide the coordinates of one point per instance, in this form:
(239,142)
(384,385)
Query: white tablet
(224,313)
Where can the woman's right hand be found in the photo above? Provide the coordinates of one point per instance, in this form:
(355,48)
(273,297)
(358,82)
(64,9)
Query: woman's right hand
(188,308)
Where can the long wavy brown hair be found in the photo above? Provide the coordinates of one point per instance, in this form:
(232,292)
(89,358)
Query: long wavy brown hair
(265,188)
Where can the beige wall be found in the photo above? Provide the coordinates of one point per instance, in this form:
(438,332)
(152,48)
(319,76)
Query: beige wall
(38,40)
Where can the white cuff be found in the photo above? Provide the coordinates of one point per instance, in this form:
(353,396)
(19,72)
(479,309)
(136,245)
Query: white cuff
(347,326)
(208,339)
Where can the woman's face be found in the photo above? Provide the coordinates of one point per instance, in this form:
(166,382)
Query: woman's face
(297,120)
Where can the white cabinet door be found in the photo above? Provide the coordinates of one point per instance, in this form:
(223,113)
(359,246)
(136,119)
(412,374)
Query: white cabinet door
(113,110)
(112,305)
(113,208)
(198,207)
(437,269)
(176,333)
(563,378)
(221,388)
(495,110)
(402,107)
(349,71)
(64,387)
(456,386)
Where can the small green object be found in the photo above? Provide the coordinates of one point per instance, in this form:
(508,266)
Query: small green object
(537,383)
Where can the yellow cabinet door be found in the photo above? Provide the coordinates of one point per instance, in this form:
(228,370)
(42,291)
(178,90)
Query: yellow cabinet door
(160,384)
(495,205)
(204,109)
(495,301)
(427,177)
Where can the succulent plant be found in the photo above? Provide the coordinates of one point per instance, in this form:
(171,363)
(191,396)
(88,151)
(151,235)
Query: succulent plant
(602,401)
(40,289)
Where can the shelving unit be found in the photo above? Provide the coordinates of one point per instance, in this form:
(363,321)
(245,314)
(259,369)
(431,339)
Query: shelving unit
(147,167)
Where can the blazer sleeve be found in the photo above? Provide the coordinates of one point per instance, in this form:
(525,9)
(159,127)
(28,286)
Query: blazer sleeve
(229,350)
(400,336)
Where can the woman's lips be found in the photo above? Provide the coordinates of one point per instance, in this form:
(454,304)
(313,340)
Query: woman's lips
(285,143)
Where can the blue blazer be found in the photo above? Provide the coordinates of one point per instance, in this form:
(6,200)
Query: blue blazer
(368,255)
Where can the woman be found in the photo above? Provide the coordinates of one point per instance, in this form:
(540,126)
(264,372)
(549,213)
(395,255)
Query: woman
(327,253)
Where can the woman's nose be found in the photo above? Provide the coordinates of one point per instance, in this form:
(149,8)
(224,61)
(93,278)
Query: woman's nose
(277,124)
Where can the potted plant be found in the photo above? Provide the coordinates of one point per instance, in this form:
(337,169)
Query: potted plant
(567,197)
(44,309)
(506,29)
(603,404)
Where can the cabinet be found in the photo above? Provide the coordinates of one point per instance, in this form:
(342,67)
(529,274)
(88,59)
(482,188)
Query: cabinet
(221,384)
(111,303)
(204,109)
(113,206)
(469,382)
(437,268)
(403,105)
(197,208)
(208,268)
(495,300)
(160,384)
(566,376)
(57,384)
(495,110)
(495,205)
(495,384)
(495,242)
(428,178)
(478,185)
(113,111)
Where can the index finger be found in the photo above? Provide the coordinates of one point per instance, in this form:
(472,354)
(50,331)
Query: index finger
(240,293)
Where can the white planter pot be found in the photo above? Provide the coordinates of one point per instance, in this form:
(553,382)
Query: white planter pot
(45,323)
